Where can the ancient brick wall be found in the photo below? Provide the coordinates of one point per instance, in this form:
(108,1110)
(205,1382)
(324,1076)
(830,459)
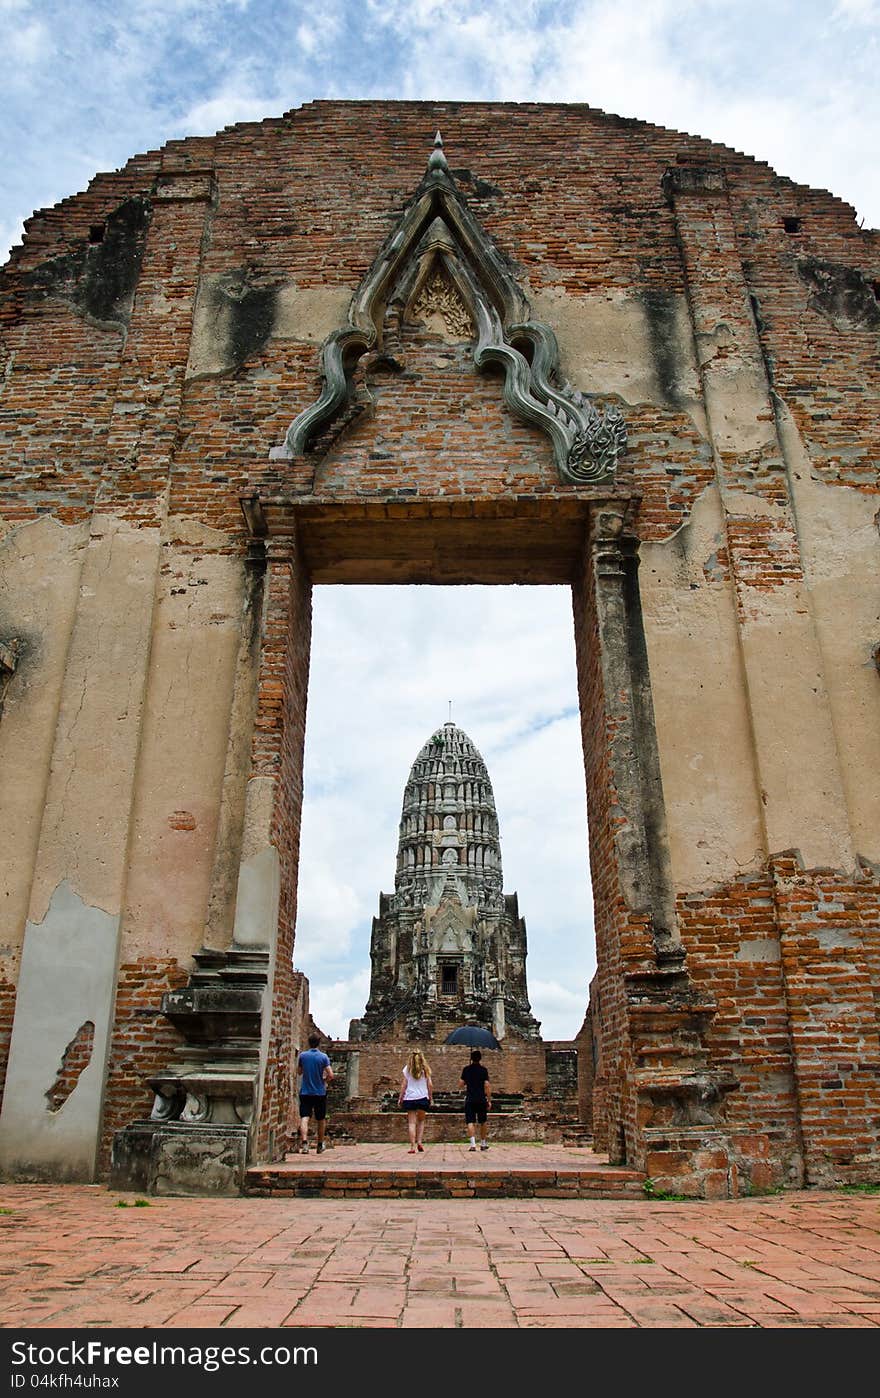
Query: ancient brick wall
(7,1010)
(142,1043)
(518,1067)
(586,1042)
(733,950)
(160,332)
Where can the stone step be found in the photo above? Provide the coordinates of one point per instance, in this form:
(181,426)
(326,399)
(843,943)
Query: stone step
(310,1178)
(576,1138)
(447,1126)
(453,1103)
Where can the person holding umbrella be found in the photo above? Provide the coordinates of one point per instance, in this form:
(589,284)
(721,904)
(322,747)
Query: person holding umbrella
(477,1099)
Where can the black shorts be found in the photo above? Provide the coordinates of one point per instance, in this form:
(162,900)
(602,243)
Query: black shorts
(475,1111)
(316,1103)
(417,1104)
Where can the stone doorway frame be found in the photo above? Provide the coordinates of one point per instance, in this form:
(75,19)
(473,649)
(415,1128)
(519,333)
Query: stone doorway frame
(657,1102)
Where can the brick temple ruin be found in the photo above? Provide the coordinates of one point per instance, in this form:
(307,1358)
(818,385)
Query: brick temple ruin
(561,347)
(448,952)
(448,946)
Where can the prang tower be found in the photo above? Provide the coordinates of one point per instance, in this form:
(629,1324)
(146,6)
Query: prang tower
(448,946)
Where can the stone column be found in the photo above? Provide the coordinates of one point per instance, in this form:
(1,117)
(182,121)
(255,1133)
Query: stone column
(499,1026)
(657,1102)
(640,836)
(233,819)
(810,850)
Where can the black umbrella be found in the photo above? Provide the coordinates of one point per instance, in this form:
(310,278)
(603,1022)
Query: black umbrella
(474,1035)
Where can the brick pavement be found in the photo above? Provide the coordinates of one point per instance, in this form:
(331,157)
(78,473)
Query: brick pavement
(72,1257)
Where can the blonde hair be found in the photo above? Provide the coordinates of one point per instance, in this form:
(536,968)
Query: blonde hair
(418,1065)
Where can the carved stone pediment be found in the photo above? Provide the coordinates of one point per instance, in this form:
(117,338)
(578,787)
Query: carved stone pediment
(440,306)
(451,928)
(439,263)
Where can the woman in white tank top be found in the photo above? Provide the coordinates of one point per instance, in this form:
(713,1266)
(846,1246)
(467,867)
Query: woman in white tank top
(416,1096)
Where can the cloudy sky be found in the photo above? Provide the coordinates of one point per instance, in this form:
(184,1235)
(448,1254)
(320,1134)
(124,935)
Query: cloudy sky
(87,83)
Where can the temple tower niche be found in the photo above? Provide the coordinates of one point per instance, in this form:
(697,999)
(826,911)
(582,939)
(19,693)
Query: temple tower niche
(448,946)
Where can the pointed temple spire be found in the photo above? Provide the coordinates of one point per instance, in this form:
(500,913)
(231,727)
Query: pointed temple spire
(437,160)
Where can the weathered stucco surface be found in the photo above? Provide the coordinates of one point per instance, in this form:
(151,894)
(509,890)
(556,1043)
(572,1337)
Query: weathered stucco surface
(84,836)
(796,748)
(70,952)
(816,709)
(259,879)
(839,535)
(638,347)
(707,754)
(195,631)
(256,907)
(68,973)
(295,313)
(40,566)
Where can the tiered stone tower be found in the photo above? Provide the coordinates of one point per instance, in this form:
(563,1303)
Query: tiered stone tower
(448,946)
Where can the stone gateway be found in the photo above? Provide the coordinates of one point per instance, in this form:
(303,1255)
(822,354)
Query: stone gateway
(553,346)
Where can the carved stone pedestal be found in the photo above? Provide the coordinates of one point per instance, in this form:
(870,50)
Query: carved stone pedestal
(176,1157)
(198,1138)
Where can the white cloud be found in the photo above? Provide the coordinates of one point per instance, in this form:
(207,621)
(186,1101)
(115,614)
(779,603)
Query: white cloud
(88,86)
(558,1007)
(328,907)
(334,1004)
(307,38)
(225,109)
(861,12)
(28,44)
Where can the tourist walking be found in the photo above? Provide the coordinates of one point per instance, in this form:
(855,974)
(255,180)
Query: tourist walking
(416,1096)
(477,1099)
(313,1067)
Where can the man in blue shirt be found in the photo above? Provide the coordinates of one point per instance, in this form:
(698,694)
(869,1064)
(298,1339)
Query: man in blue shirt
(314,1069)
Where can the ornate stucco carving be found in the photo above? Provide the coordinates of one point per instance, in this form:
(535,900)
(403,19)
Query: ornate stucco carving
(438,297)
(598,443)
(438,244)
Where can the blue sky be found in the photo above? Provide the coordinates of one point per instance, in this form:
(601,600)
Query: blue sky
(88,83)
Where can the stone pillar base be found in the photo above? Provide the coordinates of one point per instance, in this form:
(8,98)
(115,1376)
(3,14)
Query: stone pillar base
(173,1157)
(692,1161)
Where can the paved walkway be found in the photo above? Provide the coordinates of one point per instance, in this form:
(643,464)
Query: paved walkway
(71,1257)
(451,1155)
